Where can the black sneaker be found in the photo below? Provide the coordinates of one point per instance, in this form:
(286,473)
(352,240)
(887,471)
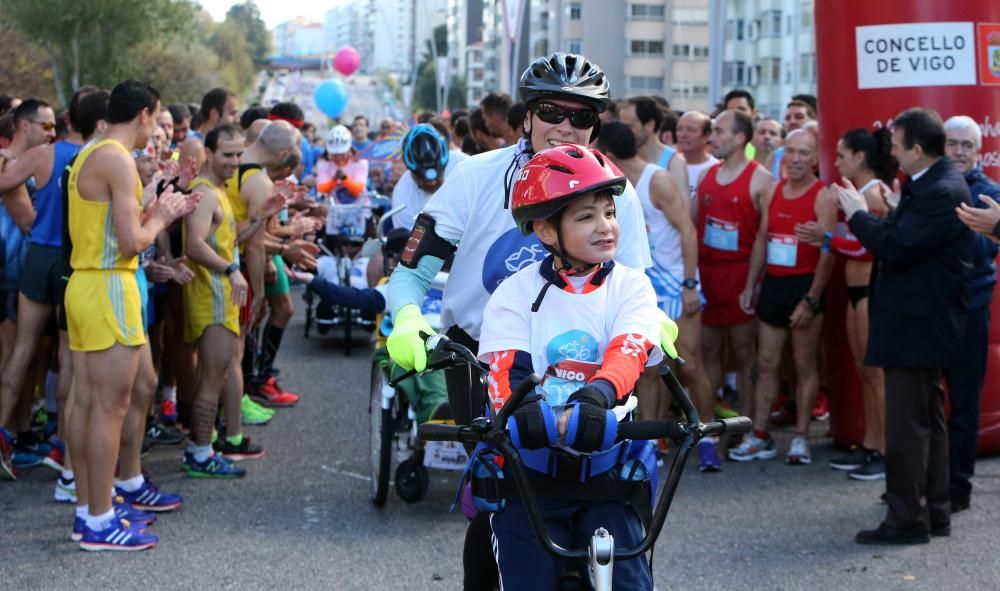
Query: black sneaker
(244,451)
(852,460)
(160,434)
(872,469)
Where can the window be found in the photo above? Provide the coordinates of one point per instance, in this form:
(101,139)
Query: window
(645,83)
(477,75)
(700,52)
(771,70)
(644,48)
(770,23)
(807,67)
(807,16)
(734,30)
(477,94)
(575,11)
(733,73)
(647,12)
(575,45)
(682,50)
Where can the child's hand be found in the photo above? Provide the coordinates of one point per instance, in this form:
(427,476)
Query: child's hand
(563,422)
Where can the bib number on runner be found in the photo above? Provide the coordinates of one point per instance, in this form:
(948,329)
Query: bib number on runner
(782,250)
(722,235)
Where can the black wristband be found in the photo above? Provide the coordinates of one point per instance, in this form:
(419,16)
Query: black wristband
(813,303)
(232,268)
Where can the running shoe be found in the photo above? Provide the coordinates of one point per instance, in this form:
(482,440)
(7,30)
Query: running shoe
(120,535)
(821,410)
(168,412)
(80,523)
(244,451)
(798,452)
(149,498)
(160,434)
(872,469)
(253,413)
(852,460)
(23,459)
(7,471)
(708,459)
(65,491)
(216,466)
(754,448)
(271,395)
(126,511)
(54,459)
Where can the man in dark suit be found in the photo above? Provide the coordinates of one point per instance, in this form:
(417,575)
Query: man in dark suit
(918,306)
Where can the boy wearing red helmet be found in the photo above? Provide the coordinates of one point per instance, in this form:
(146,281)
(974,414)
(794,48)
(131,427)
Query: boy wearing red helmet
(587,325)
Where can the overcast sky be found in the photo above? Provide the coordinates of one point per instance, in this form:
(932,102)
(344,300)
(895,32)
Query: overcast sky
(274,12)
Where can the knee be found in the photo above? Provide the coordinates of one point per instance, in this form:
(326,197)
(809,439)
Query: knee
(768,362)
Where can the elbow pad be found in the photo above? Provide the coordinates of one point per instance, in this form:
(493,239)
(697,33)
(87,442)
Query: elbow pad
(425,241)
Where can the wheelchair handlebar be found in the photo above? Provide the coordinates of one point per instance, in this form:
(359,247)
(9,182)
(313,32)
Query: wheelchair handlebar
(448,354)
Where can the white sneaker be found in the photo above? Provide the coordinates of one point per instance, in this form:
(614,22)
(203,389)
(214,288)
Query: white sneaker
(65,491)
(754,448)
(798,452)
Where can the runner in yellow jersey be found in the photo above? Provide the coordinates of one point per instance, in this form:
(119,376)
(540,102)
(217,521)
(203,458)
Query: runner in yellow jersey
(212,303)
(103,309)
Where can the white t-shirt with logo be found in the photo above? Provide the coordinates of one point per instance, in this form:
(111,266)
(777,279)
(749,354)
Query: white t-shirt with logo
(694,173)
(409,194)
(469,208)
(568,335)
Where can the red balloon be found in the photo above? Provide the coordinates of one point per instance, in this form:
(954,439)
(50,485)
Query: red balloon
(347,61)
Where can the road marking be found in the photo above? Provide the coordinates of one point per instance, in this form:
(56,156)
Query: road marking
(347,473)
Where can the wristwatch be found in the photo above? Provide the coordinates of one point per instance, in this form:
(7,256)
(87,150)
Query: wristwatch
(232,268)
(813,303)
(690,283)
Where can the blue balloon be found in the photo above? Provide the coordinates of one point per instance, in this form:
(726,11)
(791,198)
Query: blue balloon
(331,97)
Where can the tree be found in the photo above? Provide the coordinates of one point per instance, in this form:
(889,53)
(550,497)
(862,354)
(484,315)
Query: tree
(247,20)
(24,71)
(425,86)
(181,72)
(93,40)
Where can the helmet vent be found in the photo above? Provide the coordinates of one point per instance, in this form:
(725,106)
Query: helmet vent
(558,168)
(600,159)
(574,154)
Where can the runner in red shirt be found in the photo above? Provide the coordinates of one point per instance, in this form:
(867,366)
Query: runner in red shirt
(790,298)
(730,198)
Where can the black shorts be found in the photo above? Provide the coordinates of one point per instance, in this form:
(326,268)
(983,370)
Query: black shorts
(780,295)
(8,305)
(45,275)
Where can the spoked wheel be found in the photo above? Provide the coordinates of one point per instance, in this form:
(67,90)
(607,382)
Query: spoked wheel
(380,438)
(412,478)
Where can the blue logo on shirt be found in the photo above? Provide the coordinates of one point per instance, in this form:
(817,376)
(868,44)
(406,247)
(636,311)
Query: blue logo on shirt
(508,255)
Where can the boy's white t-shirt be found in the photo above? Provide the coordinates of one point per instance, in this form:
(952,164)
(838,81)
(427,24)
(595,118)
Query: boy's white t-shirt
(469,207)
(568,335)
(409,194)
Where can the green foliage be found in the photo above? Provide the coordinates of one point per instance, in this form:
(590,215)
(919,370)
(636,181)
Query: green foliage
(425,86)
(170,42)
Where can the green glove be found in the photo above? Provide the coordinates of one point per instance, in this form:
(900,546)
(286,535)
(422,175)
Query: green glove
(668,334)
(405,346)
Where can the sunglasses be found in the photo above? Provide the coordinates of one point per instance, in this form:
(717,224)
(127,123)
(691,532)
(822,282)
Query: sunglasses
(554,114)
(46,125)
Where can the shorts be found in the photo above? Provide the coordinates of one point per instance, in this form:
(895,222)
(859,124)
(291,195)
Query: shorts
(8,305)
(143,283)
(780,295)
(43,277)
(721,285)
(280,285)
(104,308)
(667,283)
(207,303)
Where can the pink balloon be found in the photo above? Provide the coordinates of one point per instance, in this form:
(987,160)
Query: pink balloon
(347,61)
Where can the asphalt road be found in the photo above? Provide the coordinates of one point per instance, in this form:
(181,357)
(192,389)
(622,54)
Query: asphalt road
(301,519)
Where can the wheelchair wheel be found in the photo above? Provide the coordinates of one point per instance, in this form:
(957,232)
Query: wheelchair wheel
(381,434)
(412,479)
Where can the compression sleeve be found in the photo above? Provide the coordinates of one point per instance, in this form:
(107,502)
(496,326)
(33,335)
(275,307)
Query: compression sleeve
(624,360)
(409,286)
(353,187)
(507,369)
(368,301)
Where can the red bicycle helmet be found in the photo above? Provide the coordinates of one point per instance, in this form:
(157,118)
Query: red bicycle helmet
(554,177)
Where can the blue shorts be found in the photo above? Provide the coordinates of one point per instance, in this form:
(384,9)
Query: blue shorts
(140,279)
(668,285)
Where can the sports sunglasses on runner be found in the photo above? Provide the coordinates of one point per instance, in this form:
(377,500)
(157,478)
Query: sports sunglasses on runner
(554,114)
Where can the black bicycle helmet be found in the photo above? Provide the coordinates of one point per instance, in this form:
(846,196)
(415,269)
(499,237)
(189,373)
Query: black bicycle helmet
(425,152)
(565,75)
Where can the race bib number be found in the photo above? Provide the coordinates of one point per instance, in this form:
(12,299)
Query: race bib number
(782,250)
(722,235)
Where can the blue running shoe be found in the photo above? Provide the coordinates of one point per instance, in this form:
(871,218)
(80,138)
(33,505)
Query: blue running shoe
(125,511)
(119,536)
(79,523)
(708,459)
(149,498)
(216,466)
(24,459)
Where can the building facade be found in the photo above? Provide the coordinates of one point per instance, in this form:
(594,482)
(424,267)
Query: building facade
(299,37)
(767,47)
